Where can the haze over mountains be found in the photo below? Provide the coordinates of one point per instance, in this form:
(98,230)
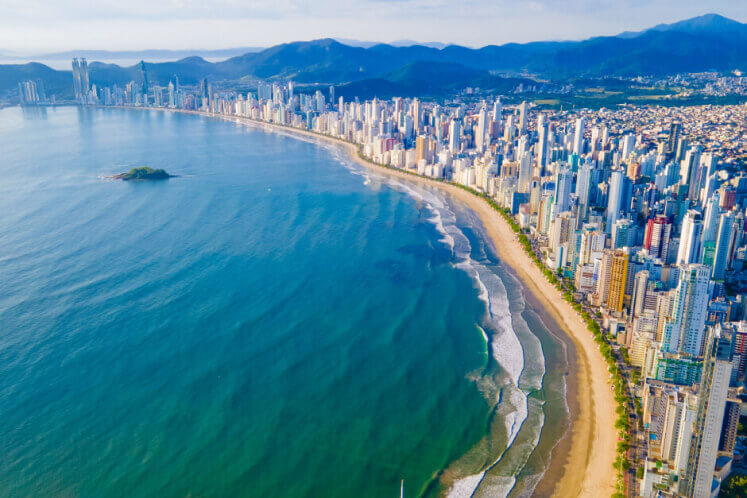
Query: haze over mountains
(151,54)
(709,42)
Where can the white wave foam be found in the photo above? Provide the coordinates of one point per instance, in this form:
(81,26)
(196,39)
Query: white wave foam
(505,346)
(466,487)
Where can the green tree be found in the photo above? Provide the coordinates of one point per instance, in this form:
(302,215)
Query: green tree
(735,487)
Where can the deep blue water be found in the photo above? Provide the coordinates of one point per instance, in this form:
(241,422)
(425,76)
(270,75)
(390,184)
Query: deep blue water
(273,322)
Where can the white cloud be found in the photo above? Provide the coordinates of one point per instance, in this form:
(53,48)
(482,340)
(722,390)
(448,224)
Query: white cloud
(134,24)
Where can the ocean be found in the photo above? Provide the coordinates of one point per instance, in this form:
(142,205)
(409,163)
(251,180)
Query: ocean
(274,321)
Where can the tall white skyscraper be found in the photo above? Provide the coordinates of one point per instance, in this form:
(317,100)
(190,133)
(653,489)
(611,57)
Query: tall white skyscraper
(684,329)
(689,170)
(523,109)
(497,110)
(542,146)
(482,122)
(692,227)
(578,137)
(711,218)
(618,194)
(525,172)
(417,115)
(583,184)
(454,136)
(563,186)
(628,144)
(712,395)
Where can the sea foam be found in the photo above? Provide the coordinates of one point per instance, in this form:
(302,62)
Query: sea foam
(504,343)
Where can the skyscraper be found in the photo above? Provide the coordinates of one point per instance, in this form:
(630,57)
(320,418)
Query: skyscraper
(76,78)
(689,171)
(525,172)
(712,395)
(421,145)
(578,137)
(628,144)
(144,75)
(416,115)
(657,237)
(723,244)
(674,135)
(204,88)
(497,110)
(638,298)
(618,279)
(523,109)
(711,218)
(542,131)
(563,187)
(583,185)
(81,84)
(618,200)
(454,133)
(683,330)
(689,250)
(482,122)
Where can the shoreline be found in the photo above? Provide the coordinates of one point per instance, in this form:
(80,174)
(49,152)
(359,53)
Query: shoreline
(572,471)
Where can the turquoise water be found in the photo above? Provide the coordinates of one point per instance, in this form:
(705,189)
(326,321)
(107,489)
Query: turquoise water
(273,322)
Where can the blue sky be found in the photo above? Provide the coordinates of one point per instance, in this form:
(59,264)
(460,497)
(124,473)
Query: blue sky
(53,25)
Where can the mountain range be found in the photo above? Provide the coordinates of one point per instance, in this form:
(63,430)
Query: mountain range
(709,42)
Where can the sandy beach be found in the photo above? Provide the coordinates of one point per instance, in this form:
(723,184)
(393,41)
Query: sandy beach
(582,462)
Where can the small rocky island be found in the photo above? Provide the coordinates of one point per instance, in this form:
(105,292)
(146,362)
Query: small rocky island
(143,173)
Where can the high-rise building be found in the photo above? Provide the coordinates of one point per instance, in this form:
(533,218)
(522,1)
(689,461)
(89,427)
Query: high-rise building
(689,250)
(656,241)
(421,148)
(723,244)
(712,396)
(523,109)
(604,272)
(417,114)
(583,184)
(81,84)
(204,88)
(730,425)
(684,329)
(563,187)
(711,218)
(689,171)
(454,136)
(31,92)
(617,280)
(144,75)
(618,200)
(624,233)
(542,132)
(578,137)
(525,172)
(497,110)
(628,144)
(674,136)
(482,122)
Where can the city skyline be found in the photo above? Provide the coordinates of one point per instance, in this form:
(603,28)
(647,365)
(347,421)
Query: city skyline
(593,192)
(42,26)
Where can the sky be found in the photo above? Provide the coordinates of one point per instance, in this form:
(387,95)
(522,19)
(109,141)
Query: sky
(41,26)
